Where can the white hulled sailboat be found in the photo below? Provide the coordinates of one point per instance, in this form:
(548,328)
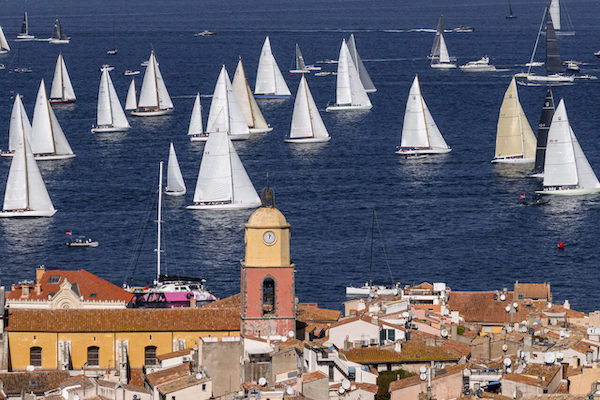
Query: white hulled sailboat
(307,125)
(110,116)
(131,101)
(269,81)
(48,141)
(26,194)
(175,184)
(439,56)
(24,34)
(420,134)
(566,169)
(58,35)
(515,141)
(350,93)
(154,98)
(225,114)
(223,183)
(362,71)
(62,90)
(19,127)
(254,118)
(195,130)
(4,47)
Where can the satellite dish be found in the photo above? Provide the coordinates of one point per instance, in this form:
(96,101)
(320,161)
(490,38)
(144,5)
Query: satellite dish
(289,390)
(30,368)
(444,333)
(423,369)
(549,358)
(507,362)
(345,384)
(405,314)
(423,377)
(507,308)
(504,347)
(502,297)
(508,370)
(341,390)
(262,381)
(284,339)
(198,376)
(291,334)
(516,305)
(559,356)
(524,329)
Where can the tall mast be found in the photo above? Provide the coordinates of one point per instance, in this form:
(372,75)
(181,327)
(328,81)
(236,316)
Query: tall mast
(158,222)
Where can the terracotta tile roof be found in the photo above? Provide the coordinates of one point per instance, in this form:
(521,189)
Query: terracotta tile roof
(481,307)
(365,386)
(234,301)
(582,347)
(416,380)
(413,350)
(82,381)
(168,374)
(139,389)
(310,312)
(313,376)
(173,354)
(533,291)
(136,377)
(90,286)
(37,381)
(423,285)
(181,383)
(535,375)
(123,320)
(461,348)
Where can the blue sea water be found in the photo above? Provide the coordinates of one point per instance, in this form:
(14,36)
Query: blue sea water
(455,218)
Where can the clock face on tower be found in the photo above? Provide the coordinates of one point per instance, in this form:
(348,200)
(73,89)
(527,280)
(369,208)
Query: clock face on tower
(269,237)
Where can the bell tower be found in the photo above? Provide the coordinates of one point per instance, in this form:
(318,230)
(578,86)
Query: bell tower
(267,281)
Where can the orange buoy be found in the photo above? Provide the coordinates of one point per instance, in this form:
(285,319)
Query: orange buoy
(561,245)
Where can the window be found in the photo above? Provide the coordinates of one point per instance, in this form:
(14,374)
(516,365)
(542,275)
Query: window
(150,355)
(54,279)
(331,376)
(35,356)
(268,307)
(93,356)
(204,387)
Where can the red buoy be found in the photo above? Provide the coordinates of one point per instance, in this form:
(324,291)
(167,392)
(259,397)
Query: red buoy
(561,245)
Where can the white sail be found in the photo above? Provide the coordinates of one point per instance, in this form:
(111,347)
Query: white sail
(252,114)
(565,164)
(244,193)
(436,140)
(224,100)
(131,102)
(269,80)
(362,71)
(149,90)
(555,13)
(4,47)
(349,89)
(61,84)
(25,188)
(175,181)
(306,120)
(164,100)
(119,119)
(195,127)
(414,129)
(104,112)
(19,124)
(61,144)
(444,56)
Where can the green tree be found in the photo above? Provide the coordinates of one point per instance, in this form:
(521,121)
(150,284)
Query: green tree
(387,377)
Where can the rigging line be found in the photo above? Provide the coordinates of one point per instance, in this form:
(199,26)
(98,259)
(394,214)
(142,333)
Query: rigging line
(383,248)
(167,230)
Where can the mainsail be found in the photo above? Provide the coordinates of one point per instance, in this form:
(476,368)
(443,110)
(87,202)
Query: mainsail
(131,102)
(20,126)
(175,183)
(358,63)
(195,127)
(300,66)
(435,48)
(306,120)
(224,102)
(349,88)
(252,114)
(553,63)
(62,90)
(4,47)
(269,81)
(154,94)
(543,128)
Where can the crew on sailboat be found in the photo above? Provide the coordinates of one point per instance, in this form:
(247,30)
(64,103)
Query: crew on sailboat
(154,98)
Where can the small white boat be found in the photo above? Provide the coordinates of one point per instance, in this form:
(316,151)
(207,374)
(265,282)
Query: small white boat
(175,184)
(463,29)
(252,114)
(154,98)
(365,79)
(129,72)
(420,134)
(106,67)
(25,194)
(307,125)
(62,90)
(482,65)
(195,130)
(350,93)
(269,80)
(515,141)
(112,52)
(572,66)
(223,183)
(323,73)
(24,35)
(440,59)
(4,47)
(82,243)
(567,171)
(535,64)
(19,127)
(58,35)
(205,33)
(110,116)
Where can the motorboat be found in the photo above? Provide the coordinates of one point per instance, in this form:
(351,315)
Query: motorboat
(130,72)
(205,33)
(112,52)
(82,243)
(482,65)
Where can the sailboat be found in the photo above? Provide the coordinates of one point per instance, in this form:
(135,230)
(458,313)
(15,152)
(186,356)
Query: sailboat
(26,194)
(439,52)
(110,116)
(542,138)
(225,114)
(515,142)
(350,92)
(554,67)
(300,66)
(131,101)
(420,134)
(195,131)
(48,141)
(559,22)
(154,99)
(566,169)
(307,125)
(510,15)
(269,81)
(175,184)
(58,35)
(362,71)
(4,47)
(19,127)
(62,90)
(223,183)
(254,118)
(24,34)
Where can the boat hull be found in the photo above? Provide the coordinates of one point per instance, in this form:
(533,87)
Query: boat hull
(25,38)
(272,96)
(204,138)
(174,193)
(409,152)
(308,140)
(478,69)
(27,213)
(569,192)
(539,175)
(109,129)
(231,206)
(299,71)
(59,41)
(82,244)
(49,157)
(370,90)
(260,130)
(151,113)
(347,107)
(550,79)
(61,101)
(366,290)
(443,66)
(513,160)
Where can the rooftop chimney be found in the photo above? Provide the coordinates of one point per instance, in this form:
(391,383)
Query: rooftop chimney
(39,272)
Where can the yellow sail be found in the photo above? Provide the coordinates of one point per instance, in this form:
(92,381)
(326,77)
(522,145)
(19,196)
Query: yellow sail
(529,140)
